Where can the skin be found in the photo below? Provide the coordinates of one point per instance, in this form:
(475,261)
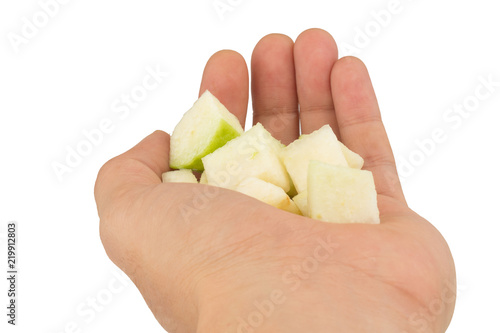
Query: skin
(207,259)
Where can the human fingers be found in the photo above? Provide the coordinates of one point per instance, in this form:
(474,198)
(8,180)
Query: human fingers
(360,123)
(274,94)
(226,76)
(315,52)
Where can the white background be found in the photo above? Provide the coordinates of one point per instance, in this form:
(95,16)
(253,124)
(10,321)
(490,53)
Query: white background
(65,78)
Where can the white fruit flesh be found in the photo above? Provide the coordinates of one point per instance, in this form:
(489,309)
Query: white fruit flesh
(301,202)
(268,193)
(203,178)
(179,176)
(253,154)
(353,160)
(341,194)
(321,145)
(205,127)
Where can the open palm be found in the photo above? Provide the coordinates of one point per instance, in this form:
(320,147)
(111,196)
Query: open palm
(213,260)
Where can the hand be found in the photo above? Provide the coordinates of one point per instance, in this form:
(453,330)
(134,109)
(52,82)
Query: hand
(212,260)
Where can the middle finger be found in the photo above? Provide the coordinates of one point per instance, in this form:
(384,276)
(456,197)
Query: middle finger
(274,93)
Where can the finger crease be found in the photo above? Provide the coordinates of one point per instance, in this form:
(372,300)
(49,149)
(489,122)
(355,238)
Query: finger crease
(273,111)
(360,121)
(378,161)
(316,109)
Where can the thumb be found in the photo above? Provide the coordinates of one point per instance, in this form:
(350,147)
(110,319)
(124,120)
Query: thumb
(135,169)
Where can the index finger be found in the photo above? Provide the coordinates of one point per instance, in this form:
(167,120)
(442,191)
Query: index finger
(226,77)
